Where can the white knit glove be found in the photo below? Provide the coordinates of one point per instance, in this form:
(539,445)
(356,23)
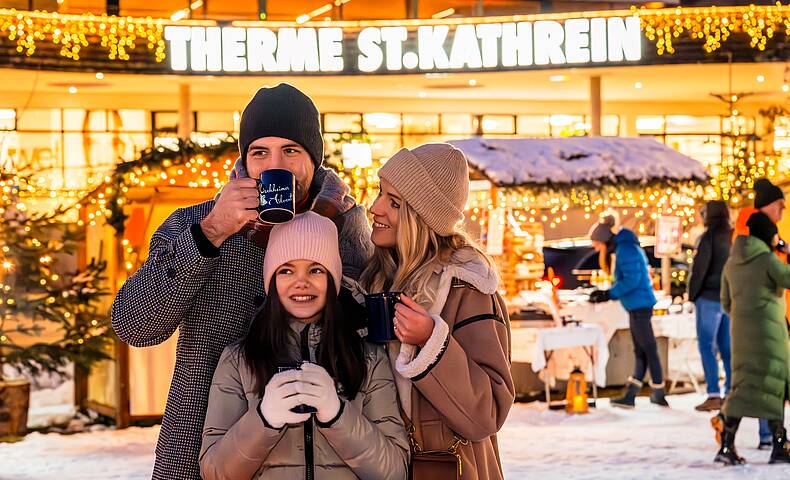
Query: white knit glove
(279,397)
(318,390)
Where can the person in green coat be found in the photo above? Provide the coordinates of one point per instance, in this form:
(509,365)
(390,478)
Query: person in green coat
(752,292)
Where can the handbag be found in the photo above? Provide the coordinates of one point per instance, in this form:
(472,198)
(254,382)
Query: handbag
(435,464)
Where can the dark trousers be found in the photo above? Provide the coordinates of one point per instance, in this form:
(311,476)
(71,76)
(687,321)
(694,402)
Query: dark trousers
(645,347)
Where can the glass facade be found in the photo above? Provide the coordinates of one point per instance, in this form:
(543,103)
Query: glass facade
(69,146)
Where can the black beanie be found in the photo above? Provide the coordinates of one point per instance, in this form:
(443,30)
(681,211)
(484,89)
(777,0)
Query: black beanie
(762,227)
(766,193)
(282,111)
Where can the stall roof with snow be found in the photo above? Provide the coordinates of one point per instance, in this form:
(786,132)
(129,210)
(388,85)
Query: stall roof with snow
(566,162)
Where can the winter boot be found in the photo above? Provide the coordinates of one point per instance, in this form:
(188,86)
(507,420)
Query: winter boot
(779,453)
(657,394)
(711,404)
(727,454)
(628,400)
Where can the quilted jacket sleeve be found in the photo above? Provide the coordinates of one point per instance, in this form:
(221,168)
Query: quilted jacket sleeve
(380,449)
(152,303)
(235,440)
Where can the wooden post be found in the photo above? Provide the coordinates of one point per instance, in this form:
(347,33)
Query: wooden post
(80,375)
(121,354)
(666,274)
(595,106)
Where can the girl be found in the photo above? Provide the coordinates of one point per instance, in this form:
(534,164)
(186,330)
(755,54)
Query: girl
(258,423)
(453,359)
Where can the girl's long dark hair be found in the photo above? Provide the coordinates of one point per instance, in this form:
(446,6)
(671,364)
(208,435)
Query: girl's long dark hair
(340,351)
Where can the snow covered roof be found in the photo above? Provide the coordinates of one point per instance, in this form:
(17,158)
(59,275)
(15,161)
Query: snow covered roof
(569,161)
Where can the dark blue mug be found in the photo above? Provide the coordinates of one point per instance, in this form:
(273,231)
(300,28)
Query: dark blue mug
(296,366)
(276,196)
(381,316)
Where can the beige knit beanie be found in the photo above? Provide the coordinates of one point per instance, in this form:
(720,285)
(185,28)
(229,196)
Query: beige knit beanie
(434,180)
(309,236)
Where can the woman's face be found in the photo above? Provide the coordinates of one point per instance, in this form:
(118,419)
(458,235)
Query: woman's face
(598,246)
(301,286)
(385,216)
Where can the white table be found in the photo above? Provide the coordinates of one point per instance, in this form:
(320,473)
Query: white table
(536,345)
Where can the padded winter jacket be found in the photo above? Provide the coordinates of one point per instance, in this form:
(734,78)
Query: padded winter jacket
(366,441)
(752,290)
(632,285)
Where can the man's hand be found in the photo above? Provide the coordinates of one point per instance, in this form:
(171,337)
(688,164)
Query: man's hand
(234,209)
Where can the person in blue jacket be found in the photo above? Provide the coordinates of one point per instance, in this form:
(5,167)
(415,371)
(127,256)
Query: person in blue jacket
(634,289)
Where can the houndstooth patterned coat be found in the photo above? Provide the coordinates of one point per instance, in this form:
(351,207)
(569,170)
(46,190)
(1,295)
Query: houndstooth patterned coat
(211,301)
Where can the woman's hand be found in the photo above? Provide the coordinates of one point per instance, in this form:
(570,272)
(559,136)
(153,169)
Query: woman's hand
(413,324)
(318,390)
(279,397)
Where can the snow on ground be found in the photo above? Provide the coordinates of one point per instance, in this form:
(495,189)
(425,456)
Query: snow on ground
(645,443)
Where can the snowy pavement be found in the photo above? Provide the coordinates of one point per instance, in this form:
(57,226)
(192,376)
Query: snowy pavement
(645,443)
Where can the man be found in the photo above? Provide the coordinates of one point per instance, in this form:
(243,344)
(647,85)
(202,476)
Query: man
(204,270)
(770,200)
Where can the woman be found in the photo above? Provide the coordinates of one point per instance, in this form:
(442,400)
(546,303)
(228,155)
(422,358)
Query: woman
(704,288)
(257,425)
(633,288)
(752,290)
(453,359)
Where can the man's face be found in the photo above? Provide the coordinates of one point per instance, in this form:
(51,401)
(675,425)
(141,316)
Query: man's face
(275,152)
(774,210)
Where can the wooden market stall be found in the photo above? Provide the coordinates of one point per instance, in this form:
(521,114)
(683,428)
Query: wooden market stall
(123,214)
(528,191)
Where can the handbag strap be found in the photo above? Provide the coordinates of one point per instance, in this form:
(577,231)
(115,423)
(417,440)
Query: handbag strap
(453,449)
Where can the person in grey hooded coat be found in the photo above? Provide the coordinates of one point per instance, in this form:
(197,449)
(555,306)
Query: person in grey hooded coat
(203,272)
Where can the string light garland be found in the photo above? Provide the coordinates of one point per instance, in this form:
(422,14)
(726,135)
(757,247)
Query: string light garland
(73,33)
(714,25)
(118,36)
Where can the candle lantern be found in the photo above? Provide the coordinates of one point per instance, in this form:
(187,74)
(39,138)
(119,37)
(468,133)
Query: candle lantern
(576,394)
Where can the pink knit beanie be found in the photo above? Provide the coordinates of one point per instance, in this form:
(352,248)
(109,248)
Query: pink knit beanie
(309,236)
(434,180)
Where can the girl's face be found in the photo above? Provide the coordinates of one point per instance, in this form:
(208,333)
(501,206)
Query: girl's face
(385,216)
(301,286)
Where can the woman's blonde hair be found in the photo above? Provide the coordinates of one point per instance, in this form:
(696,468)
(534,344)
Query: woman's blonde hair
(418,252)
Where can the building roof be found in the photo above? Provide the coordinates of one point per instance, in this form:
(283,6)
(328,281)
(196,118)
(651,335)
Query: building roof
(563,162)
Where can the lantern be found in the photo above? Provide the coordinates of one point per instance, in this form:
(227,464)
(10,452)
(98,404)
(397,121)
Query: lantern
(576,395)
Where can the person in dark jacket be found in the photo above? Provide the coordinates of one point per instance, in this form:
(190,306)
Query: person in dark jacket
(633,288)
(752,292)
(704,289)
(202,275)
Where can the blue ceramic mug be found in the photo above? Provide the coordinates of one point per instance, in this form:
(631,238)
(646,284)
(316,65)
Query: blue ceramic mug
(276,196)
(381,316)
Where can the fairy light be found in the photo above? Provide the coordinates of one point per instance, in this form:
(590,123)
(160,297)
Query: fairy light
(71,34)
(713,26)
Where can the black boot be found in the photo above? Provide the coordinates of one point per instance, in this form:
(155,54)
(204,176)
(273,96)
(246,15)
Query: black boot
(727,454)
(628,400)
(779,453)
(657,394)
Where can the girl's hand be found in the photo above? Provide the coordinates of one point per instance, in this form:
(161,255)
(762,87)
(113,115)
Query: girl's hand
(413,324)
(318,390)
(279,397)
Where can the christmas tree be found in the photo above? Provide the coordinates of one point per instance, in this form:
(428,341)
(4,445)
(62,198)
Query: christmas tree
(49,310)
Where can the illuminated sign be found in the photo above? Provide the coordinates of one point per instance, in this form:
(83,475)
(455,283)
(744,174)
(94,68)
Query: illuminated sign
(391,49)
